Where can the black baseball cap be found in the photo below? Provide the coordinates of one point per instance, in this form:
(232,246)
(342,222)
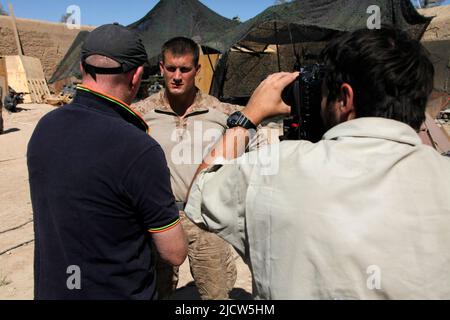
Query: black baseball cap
(116,42)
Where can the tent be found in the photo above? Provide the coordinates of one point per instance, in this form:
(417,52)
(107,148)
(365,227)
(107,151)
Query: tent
(316,20)
(304,26)
(171,18)
(193,20)
(70,64)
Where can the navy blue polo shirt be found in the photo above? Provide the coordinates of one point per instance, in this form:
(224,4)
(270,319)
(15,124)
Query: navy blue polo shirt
(99,186)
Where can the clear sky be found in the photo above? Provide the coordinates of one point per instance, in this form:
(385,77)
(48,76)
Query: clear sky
(98,12)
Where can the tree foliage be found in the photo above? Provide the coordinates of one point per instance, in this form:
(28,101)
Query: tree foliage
(65,17)
(3,11)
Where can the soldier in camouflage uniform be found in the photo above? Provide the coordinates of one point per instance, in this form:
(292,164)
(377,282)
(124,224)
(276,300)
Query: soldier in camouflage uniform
(187,122)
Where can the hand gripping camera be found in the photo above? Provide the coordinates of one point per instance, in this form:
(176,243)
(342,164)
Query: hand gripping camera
(304,96)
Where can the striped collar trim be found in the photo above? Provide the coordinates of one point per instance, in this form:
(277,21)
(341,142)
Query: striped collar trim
(118,102)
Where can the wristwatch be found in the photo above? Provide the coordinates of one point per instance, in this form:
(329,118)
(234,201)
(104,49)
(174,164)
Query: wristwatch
(238,119)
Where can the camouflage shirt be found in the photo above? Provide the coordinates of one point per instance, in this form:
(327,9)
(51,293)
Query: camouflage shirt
(186,140)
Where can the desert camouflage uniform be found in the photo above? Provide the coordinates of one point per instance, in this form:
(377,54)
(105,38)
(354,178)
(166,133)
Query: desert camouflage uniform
(211,259)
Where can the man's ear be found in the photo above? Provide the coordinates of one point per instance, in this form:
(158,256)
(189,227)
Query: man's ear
(137,76)
(198,69)
(161,67)
(346,104)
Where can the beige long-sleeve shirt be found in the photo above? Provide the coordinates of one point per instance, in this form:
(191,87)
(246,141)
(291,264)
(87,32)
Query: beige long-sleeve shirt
(363,214)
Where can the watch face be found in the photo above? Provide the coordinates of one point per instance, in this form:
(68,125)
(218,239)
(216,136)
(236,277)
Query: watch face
(232,120)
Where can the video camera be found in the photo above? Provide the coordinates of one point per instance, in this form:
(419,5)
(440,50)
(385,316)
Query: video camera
(304,96)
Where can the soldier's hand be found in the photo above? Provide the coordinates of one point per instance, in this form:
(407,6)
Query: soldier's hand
(266,101)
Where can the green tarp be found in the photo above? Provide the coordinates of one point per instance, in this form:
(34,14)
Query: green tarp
(307,24)
(172,18)
(301,21)
(168,19)
(70,64)
(318,20)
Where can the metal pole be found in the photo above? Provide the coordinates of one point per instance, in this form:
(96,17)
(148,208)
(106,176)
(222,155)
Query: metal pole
(394,18)
(278,49)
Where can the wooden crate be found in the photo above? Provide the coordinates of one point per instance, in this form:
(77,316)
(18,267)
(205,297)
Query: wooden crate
(25,74)
(3,79)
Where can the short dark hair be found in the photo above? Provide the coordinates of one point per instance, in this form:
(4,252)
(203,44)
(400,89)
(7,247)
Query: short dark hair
(390,73)
(181,46)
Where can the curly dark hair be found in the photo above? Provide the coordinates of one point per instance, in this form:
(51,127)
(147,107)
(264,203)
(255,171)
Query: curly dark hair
(390,73)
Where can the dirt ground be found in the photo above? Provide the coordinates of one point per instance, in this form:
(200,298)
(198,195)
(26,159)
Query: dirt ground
(16,224)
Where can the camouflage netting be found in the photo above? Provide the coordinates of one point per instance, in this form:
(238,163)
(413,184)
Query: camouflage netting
(302,22)
(168,19)
(70,64)
(308,24)
(318,20)
(172,18)
(238,73)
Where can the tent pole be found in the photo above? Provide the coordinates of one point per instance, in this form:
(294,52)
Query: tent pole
(297,64)
(278,49)
(394,20)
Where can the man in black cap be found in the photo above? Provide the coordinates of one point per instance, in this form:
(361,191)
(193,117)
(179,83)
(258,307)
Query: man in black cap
(100,185)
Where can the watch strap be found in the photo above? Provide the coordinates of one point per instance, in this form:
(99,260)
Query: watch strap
(238,119)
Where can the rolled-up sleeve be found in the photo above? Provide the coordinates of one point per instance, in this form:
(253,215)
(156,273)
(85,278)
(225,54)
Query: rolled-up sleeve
(217,202)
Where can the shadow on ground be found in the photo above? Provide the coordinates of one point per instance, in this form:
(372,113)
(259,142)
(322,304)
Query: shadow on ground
(190,292)
(20,109)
